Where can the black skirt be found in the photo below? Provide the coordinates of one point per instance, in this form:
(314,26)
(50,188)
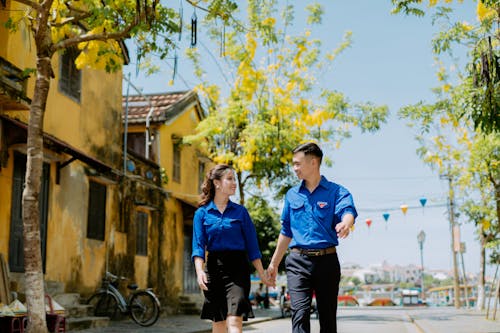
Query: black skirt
(228,285)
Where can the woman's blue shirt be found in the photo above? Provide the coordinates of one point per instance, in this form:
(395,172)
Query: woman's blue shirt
(231,230)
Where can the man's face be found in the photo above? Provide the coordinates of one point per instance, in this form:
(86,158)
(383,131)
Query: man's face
(303,165)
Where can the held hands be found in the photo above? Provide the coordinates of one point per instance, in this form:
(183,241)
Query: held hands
(271,273)
(264,277)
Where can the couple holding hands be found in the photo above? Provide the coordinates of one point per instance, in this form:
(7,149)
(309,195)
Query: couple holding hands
(315,215)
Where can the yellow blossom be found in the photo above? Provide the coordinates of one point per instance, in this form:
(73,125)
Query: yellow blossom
(271,21)
(483,12)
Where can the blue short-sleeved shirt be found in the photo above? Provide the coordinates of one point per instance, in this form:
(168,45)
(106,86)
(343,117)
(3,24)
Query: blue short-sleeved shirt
(232,230)
(310,218)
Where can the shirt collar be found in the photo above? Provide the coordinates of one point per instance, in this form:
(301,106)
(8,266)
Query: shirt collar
(212,205)
(323,182)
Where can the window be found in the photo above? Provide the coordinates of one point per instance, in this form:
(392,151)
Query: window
(70,78)
(176,176)
(137,142)
(141,227)
(201,175)
(96,211)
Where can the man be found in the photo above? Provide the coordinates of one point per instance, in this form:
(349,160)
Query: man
(315,215)
(260,297)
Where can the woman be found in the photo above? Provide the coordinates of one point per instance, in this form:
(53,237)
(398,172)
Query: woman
(224,229)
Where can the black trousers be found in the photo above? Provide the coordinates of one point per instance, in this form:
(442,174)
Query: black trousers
(307,274)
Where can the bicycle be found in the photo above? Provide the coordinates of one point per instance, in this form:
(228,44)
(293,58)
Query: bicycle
(141,305)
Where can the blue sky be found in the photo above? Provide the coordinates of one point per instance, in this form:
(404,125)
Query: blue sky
(390,62)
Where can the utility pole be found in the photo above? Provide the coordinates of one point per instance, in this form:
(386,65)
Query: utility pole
(455,248)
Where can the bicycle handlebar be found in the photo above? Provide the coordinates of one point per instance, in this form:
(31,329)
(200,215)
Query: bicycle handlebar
(113,277)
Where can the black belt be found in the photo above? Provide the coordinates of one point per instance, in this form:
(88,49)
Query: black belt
(315,252)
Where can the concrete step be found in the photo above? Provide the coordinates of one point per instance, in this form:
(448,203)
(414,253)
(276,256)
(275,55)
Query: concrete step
(190,311)
(76,324)
(54,287)
(67,299)
(79,310)
(189,308)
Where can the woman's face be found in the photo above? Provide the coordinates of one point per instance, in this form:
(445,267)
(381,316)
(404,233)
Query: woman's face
(227,184)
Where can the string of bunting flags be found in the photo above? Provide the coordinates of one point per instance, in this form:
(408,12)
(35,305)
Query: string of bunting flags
(403,208)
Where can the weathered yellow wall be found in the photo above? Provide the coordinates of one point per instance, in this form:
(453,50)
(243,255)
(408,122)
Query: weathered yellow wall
(5,201)
(184,124)
(93,126)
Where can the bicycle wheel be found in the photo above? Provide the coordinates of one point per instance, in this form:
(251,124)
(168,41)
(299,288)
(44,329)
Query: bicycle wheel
(144,308)
(105,305)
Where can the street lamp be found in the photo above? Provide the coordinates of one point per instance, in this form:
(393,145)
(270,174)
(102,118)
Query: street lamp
(421,239)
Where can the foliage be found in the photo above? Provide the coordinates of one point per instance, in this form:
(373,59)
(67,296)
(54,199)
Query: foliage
(471,158)
(482,100)
(273,100)
(267,224)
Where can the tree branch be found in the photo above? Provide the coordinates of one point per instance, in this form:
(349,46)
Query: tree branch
(197,6)
(73,19)
(46,4)
(90,37)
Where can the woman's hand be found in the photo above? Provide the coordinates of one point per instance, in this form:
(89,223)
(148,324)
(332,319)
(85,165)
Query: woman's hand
(202,280)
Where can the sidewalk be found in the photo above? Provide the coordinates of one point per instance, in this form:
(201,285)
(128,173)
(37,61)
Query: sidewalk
(177,324)
(422,320)
(445,320)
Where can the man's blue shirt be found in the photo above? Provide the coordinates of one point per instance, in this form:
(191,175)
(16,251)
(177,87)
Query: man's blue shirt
(310,218)
(232,230)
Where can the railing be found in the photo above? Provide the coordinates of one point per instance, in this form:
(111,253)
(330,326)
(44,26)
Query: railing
(12,87)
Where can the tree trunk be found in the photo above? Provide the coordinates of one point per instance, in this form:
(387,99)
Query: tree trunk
(482,272)
(35,293)
(241,188)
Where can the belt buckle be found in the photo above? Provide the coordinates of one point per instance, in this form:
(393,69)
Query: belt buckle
(314,253)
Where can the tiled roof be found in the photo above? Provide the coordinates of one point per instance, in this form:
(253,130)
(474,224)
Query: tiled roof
(166,105)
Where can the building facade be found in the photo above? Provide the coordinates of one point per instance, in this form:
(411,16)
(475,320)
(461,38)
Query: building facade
(156,125)
(97,212)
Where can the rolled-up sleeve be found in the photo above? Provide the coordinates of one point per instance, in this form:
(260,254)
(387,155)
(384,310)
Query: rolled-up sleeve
(345,203)
(199,237)
(286,228)
(250,235)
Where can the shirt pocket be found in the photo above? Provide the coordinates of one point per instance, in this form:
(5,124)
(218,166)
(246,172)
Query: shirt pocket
(297,209)
(211,224)
(325,212)
(231,224)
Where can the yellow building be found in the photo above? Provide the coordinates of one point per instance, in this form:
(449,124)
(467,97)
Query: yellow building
(102,207)
(155,125)
(87,194)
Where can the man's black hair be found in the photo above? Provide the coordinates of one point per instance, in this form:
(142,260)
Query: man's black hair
(309,148)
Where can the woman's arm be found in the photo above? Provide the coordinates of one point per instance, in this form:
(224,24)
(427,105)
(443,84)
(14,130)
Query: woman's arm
(200,273)
(257,263)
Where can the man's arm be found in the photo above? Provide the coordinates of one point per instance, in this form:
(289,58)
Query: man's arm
(279,252)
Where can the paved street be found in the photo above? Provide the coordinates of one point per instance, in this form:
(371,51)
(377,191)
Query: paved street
(350,320)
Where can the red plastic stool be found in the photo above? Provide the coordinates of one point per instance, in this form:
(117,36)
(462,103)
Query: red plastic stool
(55,322)
(12,324)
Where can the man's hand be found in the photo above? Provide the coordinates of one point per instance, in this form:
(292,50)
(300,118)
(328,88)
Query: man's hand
(343,228)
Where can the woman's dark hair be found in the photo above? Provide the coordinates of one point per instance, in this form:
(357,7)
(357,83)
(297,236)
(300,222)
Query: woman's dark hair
(208,187)
(309,148)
